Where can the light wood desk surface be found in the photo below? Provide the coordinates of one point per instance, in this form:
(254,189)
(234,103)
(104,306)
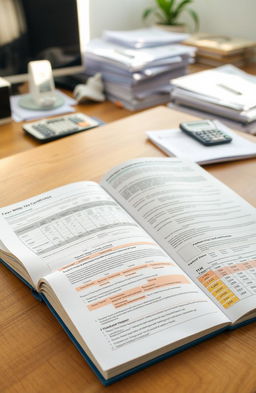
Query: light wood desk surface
(36,354)
(13,140)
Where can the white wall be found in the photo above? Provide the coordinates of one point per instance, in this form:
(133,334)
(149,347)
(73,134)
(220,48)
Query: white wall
(236,18)
(228,17)
(115,15)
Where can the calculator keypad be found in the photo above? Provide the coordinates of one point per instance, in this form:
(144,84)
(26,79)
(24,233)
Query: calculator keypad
(212,136)
(61,126)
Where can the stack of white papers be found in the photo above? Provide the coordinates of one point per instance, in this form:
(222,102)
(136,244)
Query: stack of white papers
(137,78)
(225,91)
(143,38)
(175,142)
(132,60)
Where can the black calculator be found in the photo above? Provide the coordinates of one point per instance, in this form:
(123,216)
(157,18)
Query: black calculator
(54,128)
(206,132)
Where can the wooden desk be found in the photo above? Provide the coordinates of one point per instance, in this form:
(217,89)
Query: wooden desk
(36,355)
(13,140)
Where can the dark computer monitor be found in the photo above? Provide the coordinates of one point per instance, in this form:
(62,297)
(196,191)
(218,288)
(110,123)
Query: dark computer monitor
(37,30)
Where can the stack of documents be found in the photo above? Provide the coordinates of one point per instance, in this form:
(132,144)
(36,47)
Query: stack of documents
(175,142)
(217,50)
(143,38)
(225,91)
(137,78)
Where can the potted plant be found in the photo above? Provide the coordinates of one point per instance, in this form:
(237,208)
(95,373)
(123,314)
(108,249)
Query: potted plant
(168,12)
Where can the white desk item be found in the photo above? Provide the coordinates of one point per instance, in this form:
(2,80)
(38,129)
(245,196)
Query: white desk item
(91,91)
(42,94)
(175,142)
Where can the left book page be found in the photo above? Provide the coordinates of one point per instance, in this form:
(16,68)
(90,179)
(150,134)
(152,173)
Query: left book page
(56,228)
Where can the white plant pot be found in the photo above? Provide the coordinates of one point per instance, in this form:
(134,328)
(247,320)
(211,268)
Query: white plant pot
(172,28)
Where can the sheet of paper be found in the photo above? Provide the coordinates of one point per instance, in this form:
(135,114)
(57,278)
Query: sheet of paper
(175,142)
(207,229)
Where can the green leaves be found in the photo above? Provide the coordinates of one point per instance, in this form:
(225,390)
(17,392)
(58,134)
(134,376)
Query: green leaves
(168,11)
(165,5)
(195,18)
(180,7)
(147,12)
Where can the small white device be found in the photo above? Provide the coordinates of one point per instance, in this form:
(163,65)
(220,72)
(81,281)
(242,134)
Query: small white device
(41,83)
(57,127)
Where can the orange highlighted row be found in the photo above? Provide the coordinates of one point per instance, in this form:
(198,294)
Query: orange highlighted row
(123,298)
(125,272)
(238,267)
(108,250)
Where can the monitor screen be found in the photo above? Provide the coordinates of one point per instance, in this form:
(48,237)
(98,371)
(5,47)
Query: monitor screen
(37,30)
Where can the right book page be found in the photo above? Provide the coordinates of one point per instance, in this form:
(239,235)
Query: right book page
(203,225)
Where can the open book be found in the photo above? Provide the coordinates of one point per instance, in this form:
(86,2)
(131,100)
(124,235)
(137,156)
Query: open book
(159,256)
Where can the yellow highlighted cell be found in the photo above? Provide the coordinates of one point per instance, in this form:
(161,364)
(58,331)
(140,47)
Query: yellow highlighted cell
(218,289)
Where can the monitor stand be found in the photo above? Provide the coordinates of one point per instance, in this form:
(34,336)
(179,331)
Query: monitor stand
(16,88)
(69,82)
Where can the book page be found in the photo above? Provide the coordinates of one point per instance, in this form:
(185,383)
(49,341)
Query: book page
(203,225)
(128,301)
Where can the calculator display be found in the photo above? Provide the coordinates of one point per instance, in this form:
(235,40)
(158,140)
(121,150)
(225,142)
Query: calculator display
(197,124)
